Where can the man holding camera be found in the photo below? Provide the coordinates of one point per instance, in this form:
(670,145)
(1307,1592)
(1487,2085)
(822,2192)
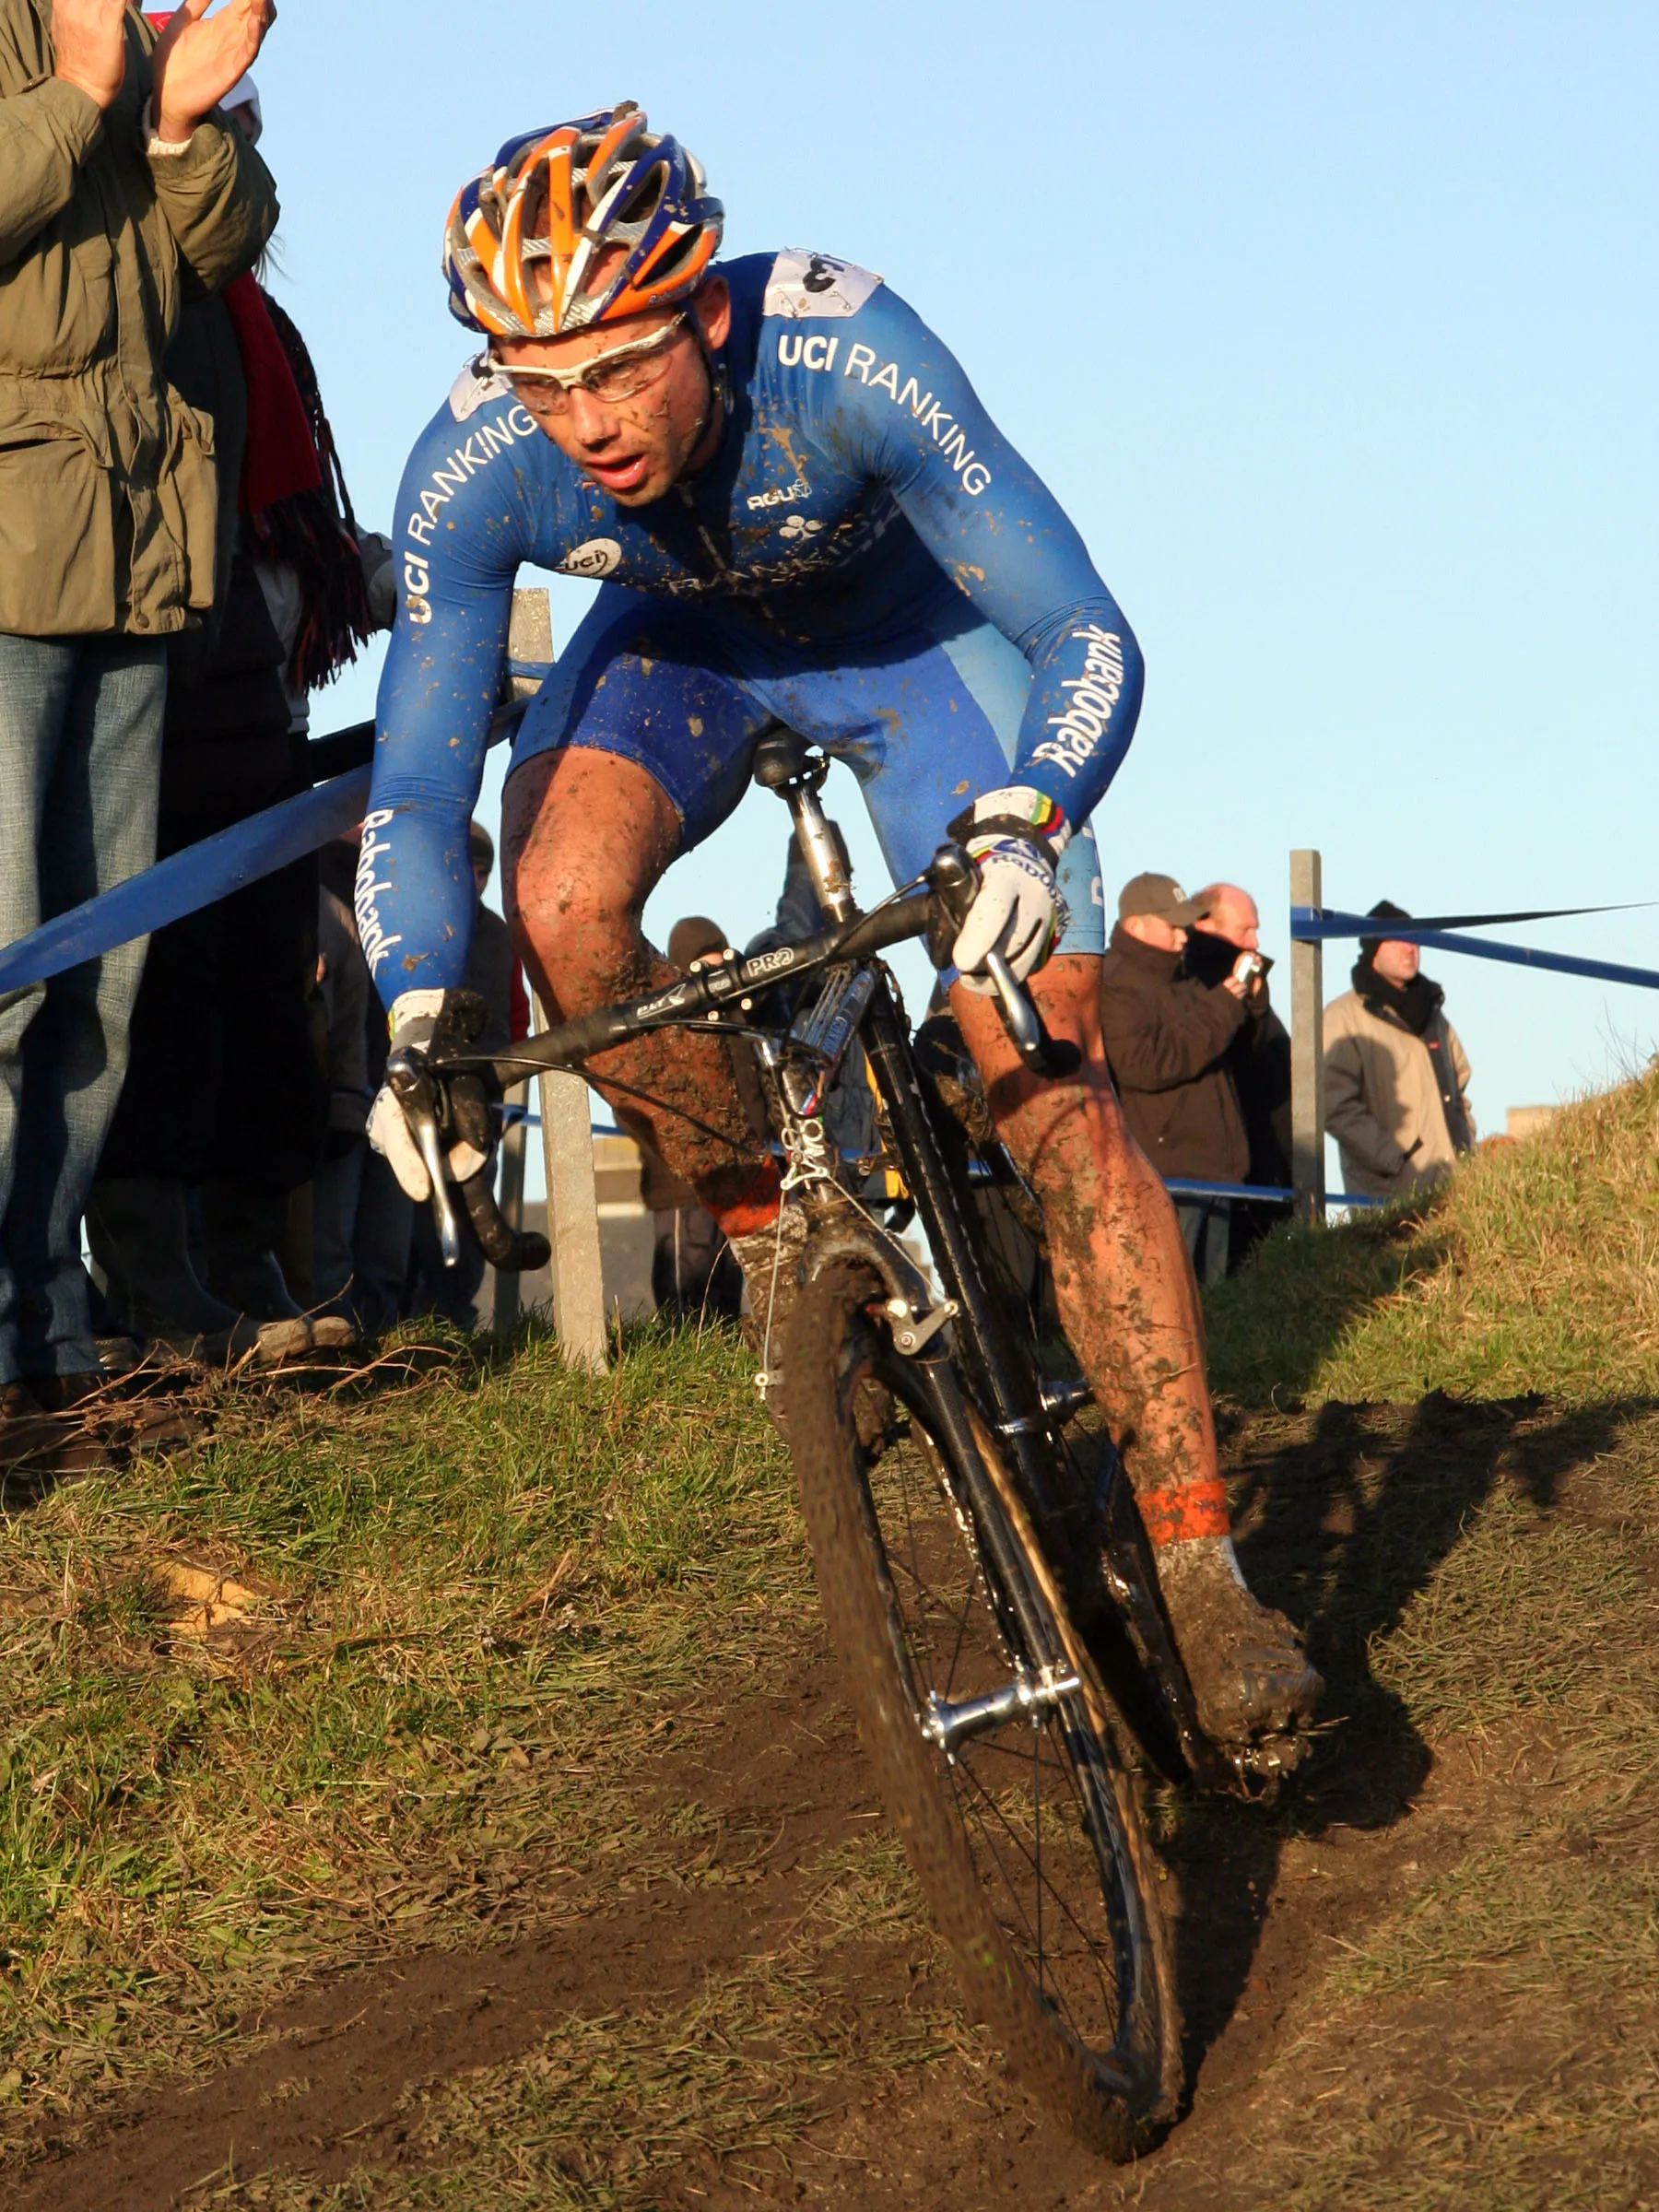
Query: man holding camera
(1168,1036)
(1225,946)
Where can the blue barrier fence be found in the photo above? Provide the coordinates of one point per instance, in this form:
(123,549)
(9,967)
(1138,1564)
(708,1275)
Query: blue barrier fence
(190,879)
(1314,925)
(219,866)
(1182,1186)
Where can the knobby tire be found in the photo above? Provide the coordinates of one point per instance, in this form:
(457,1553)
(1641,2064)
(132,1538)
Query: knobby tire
(1084,2006)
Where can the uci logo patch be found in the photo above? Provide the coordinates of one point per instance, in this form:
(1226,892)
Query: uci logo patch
(598,557)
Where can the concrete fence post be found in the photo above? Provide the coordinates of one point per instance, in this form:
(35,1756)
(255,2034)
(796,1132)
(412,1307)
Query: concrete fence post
(573,1214)
(529,637)
(1307,1050)
(529,641)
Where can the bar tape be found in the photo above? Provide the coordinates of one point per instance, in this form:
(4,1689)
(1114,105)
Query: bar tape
(1313,925)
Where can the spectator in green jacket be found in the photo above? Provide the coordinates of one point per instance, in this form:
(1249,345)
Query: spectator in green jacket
(120,188)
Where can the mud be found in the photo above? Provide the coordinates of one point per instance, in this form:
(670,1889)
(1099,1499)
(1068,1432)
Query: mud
(1265,1898)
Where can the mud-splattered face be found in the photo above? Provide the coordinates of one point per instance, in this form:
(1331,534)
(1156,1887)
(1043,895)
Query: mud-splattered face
(637,448)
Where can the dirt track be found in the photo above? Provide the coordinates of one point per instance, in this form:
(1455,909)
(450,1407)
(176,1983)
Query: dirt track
(1264,1899)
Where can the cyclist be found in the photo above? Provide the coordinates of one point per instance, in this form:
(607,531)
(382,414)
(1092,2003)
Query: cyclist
(801,515)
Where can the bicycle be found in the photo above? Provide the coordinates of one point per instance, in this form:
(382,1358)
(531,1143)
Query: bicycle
(947,1488)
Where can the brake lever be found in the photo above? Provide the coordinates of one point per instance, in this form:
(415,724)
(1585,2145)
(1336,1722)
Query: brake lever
(1044,1055)
(416,1093)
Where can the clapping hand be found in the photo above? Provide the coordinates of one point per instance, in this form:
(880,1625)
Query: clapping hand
(198,58)
(89,38)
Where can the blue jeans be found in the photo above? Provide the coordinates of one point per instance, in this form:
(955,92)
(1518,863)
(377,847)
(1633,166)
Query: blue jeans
(80,750)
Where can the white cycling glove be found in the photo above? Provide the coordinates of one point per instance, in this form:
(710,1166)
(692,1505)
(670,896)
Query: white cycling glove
(414,1018)
(1017,835)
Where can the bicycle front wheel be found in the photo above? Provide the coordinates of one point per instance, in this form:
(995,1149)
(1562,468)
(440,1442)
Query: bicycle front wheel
(996,1765)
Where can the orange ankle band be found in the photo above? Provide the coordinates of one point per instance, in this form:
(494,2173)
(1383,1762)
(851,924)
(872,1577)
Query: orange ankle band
(1185,1510)
(758,1207)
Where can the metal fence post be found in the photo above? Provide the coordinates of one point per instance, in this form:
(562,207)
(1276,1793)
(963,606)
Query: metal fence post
(1307,1050)
(573,1214)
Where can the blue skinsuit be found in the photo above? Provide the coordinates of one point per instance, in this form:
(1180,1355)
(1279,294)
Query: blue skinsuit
(864,560)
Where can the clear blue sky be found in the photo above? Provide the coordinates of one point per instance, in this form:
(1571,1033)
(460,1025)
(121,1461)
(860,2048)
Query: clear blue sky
(1333,327)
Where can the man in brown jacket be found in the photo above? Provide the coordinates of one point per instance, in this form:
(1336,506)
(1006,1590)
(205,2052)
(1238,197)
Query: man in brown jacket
(1395,1072)
(119,185)
(1167,1037)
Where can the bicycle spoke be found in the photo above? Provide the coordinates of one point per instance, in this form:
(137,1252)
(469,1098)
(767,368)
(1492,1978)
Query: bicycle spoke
(1038,1817)
(1091,1947)
(1036,1835)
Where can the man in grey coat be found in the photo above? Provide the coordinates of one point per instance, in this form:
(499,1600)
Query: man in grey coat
(121,186)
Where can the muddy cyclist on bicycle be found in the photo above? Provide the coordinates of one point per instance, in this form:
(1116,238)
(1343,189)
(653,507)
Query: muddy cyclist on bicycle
(801,515)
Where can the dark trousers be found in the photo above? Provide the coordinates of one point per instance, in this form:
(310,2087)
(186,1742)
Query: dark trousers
(381,1233)
(692,1269)
(435,1289)
(1205,1223)
(224,1078)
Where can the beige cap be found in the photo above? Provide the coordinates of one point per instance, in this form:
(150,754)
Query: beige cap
(1162,895)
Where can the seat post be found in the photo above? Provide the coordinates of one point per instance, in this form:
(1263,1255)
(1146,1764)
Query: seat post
(786,764)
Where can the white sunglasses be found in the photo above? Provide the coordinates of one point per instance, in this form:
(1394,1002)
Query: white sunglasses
(616,375)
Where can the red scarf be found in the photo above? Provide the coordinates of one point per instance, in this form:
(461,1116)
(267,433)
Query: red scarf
(280,458)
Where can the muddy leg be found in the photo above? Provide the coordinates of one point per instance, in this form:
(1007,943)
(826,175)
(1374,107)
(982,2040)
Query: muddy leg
(1122,1277)
(1130,1306)
(585,836)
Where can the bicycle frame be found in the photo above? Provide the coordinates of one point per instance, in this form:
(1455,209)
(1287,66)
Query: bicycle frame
(1022,1418)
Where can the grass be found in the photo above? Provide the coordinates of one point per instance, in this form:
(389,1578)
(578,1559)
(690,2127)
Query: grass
(1537,1269)
(461,1611)
(470,1603)
(1478,2029)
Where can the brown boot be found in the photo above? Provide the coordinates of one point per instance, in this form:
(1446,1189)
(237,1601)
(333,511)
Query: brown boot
(109,1412)
(34,1443)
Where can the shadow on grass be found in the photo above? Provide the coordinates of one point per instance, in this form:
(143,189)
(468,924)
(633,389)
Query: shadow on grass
(1345,1515)
(1269,1330)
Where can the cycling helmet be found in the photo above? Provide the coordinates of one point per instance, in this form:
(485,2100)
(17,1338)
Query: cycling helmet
(526,236)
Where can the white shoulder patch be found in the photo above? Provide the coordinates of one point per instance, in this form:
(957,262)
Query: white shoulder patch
(469,393)
(805,286)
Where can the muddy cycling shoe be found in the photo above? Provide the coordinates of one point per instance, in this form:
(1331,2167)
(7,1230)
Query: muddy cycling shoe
(1250,1678)
(770,1261)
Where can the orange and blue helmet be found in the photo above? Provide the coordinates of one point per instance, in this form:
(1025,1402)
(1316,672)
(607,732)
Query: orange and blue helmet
(529,248)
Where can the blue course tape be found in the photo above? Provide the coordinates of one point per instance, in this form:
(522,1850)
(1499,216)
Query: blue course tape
(1313,925)
(1188,1186)
(190,879)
